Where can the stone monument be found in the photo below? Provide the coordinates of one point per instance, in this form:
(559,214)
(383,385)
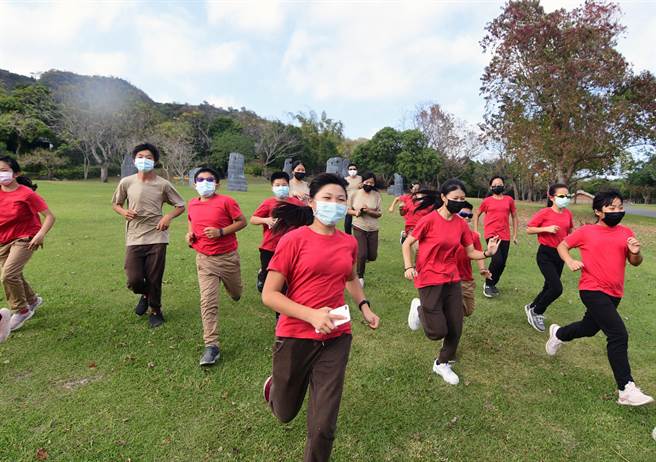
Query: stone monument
(192,174)
(236,177)
(127,166)
(396,188)
(335,165)
(288,166)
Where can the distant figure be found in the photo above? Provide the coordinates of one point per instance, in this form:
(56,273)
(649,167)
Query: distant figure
(146,230)
(354,182)
(365,206)
(298,187)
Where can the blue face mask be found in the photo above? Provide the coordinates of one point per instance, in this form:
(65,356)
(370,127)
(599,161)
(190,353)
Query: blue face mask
(330,213)
(206,188)
(281,192)
(562,202)
(143,164)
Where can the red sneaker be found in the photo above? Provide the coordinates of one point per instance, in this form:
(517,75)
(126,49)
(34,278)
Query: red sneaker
(266,389)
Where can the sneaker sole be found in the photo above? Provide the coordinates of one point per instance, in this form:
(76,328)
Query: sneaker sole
(264,389)
(442,377)
(623,403)
(18,326)
(546,345)
(37,304)
(410,325)
(530,319)
(209,363)
(486,295)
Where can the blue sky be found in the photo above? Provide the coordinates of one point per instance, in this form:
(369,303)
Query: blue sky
(367,63)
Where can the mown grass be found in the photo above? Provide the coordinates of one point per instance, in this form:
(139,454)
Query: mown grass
(86,379)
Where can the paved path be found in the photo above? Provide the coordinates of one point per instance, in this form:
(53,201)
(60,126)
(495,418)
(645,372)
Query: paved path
(642,212)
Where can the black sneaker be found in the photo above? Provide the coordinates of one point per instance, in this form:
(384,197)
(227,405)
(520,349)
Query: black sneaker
(495,291)
(488,290)
(260,283)
(210,355)
(142,306)
(156,318)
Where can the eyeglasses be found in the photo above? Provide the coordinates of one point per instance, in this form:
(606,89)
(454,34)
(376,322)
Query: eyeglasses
(466,215)
(564,196)
(209,180)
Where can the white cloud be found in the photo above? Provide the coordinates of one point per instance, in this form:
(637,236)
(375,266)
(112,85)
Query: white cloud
(252,16)
(223,101)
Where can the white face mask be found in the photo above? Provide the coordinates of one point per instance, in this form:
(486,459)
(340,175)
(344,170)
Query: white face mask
(562,202)
(143,164)
(6,177)
(353,173)
(281,192)
(206,188)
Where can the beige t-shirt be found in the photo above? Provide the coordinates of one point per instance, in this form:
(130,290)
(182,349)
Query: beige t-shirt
(354,183)
(300,187)
(147,198)
(371,200)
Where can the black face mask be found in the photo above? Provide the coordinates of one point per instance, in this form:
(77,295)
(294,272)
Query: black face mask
(367,188)
(497,189)
(613,218)
(454,206)
(299,175)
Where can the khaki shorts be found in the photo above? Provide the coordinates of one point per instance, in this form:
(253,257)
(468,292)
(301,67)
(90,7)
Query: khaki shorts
(468,298)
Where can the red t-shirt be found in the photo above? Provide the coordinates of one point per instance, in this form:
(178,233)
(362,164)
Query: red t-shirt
(19,214)
(269,238)
(547,217)
(603,252)
(316,268)
(412,215)
(464,262)
(439,241)
(495,221)
(217,212)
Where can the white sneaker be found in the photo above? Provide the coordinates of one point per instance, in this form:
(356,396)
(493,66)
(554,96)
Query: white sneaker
(554,343)
(362,282)
(445,371)
(414,322)
(5,324)
(36,304)
(633,396)
(18,319)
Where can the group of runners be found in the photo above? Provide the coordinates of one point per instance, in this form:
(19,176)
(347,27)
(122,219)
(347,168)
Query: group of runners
(307,263)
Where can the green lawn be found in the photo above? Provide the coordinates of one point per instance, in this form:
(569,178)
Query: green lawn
(86,379)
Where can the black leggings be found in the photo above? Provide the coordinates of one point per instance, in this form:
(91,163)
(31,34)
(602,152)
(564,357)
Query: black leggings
(551,267)
(265,258)
(348,224)
(498,263)
(601,314)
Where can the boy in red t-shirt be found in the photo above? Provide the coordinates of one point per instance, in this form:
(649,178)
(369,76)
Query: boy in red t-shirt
(21,233)
(212,223)
(605,248)
(263,215)
(464,264)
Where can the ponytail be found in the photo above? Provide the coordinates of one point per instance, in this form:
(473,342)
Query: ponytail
(290,216)
(433,199)
(22,180)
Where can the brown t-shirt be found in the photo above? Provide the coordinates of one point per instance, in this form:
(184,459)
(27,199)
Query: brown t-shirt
(354,183)
(147,198)
(371,200)
(298,187)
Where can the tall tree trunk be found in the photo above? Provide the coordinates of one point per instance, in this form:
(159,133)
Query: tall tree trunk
(104,172)
(85,167)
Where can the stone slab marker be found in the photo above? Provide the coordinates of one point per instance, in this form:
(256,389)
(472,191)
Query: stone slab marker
(288,166)
(192,174)
(236,177)
(396,188)
(127,166)
(335,165)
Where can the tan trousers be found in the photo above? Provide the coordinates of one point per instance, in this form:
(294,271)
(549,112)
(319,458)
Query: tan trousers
(13,258)
(212,270)
(468,298)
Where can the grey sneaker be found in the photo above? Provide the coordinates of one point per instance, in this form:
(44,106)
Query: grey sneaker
(5,324)
(18,319)
(535,320)
(37,303)
(210,355)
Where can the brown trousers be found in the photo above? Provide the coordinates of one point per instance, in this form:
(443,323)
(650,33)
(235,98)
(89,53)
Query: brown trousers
(441,315)
(468,297)
(13,258)
(212,270)
(298,363)
(144,268)
(367,248)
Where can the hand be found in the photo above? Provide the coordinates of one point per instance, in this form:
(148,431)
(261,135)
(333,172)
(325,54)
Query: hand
(36,242)
(370,317)
(212,233)
(164,223)
(322,320)
(486,273)
(391,209)
(190,238)
(515,241)
(410,274)
(130,214)
(364,211)
(634,245)
(358,213)
(493,245)
(270,222)
(574,265)
(553,229)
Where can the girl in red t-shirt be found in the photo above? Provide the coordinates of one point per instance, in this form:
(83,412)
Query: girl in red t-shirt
(552,224)
(605,248)
(497,208)
(21,233)
(316,262)
(406,205)
(439,306)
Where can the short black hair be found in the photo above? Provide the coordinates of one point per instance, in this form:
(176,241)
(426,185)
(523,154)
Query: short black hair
(214,173)
(605,198)
(146,147)
(351,165)
(279,176)
(497,177)
(324,179)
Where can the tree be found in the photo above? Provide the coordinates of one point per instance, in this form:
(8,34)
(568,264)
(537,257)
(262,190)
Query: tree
(642,180)
(276,141)
(321,137)
(175,140)
(557,89)
(422,166)
(46,159)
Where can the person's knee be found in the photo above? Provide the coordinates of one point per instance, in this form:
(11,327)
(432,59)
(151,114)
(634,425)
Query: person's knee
(557,289)
(136,283)
(618,339)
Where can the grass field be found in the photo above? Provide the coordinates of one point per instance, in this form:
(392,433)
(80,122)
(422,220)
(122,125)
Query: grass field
(87,380)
